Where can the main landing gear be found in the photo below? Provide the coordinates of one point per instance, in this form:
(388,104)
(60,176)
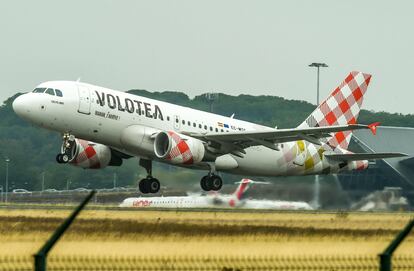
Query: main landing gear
(211,182)
(67,149)
(148,184)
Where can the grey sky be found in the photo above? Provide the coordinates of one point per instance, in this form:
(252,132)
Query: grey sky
(254,47)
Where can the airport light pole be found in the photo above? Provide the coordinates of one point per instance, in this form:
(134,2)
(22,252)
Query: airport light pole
(318,66)
(7,179)
(114,183)
(211,97)
(43,181)
(317,184)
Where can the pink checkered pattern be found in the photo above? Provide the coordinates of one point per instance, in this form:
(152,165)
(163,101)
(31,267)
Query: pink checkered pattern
(180,151)
(340,108)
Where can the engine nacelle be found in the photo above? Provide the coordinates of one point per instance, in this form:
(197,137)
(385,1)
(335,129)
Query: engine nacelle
(178,148)
(87,154)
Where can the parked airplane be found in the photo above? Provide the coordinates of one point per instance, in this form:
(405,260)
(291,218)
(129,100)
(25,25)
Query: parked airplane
(236,200)
(101,127)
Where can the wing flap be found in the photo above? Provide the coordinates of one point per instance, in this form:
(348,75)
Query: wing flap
(362,156)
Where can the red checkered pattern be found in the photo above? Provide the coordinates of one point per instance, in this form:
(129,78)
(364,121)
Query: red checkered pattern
(361,165)
(340,108)
(86,157)
(244,185)
(180,151)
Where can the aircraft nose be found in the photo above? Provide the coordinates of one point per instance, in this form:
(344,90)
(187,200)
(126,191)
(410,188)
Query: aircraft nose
(21,105)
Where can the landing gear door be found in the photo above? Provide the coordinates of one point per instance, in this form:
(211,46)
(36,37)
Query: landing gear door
(176,122)
(84,100)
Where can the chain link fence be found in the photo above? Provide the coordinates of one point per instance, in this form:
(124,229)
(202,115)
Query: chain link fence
(207,263)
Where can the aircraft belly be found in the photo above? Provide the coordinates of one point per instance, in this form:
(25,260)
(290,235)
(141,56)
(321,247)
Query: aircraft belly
(259,161)
(293,158)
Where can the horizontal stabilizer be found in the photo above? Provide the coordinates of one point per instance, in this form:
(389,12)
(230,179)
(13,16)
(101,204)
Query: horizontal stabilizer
(363,156)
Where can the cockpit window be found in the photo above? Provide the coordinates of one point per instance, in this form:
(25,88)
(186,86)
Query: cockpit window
(39,90)
(58,93)
(50,91)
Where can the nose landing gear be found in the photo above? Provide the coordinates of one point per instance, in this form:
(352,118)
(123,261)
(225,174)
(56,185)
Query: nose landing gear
(148,184)
(68,149)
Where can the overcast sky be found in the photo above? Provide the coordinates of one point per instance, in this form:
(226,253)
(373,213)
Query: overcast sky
(254,47)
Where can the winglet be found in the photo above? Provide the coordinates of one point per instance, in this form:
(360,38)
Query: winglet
(373,127)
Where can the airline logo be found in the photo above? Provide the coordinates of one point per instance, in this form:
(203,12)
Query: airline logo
(142,203)
(130,106)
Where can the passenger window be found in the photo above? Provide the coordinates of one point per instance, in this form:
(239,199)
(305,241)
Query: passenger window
(194,124)
(183,122)
(50,91)
(205,127)
(216,130)
(188,123)
(176,120)
(211,128)
(168,118)
(39,90)
(222,130)
(58,93)
(200,126)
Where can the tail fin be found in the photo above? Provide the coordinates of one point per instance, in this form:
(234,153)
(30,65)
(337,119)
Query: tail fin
(244,185)
(340,108)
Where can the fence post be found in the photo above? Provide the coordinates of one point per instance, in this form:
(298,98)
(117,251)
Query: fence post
(386,256)
(40,258)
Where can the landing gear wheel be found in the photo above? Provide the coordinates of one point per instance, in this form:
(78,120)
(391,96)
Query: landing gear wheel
(65,158)
(62,158)
(211,182)
(149,185)
(215,182)
(143,186)
(59,158)
(154,185)
(204,183)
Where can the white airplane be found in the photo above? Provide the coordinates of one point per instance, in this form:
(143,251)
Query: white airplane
(236,200)
(101,127)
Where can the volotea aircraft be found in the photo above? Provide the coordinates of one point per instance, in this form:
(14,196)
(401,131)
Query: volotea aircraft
(236,200)
(100,127)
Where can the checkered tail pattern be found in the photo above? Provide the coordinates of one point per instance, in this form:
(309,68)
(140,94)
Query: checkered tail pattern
(342,107)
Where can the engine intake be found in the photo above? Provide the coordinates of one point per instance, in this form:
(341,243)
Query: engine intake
(178,148)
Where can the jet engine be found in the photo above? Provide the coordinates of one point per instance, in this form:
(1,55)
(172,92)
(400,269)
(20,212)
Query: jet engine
(178,148)
(87,154)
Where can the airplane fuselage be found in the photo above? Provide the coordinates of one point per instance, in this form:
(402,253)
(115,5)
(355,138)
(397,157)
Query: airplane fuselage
(107,116)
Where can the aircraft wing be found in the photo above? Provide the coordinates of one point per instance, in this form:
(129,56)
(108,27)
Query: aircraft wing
(235,142)
(362,156)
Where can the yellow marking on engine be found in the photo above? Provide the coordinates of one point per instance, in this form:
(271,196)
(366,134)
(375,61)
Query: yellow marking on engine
(309,163)
(301,145)
(320,152)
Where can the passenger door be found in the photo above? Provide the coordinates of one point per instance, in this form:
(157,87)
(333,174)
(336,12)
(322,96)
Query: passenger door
(84,100)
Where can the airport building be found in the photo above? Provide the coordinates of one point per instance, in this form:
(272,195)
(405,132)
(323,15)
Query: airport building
(395,172)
